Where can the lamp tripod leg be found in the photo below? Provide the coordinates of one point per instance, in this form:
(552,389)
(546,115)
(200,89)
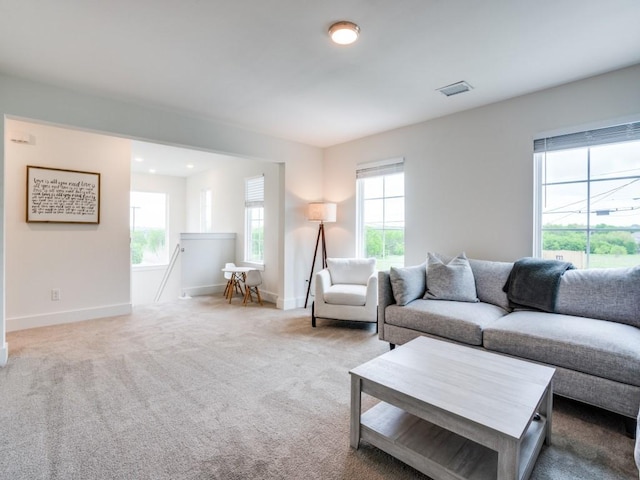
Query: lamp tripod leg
(313,264)
(324,248)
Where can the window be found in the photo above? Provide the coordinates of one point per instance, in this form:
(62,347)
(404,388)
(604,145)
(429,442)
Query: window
(588,197)
(206,210)
(148,226)
(254,220)
(380,212)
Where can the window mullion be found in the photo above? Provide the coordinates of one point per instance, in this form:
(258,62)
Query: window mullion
(588,252)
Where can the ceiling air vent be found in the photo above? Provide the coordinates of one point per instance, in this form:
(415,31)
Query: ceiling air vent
(455,88)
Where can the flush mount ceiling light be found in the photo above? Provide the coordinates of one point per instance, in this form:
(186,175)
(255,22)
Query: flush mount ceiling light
(344,33)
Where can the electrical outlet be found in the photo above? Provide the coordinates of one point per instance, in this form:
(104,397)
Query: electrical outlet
(55,294)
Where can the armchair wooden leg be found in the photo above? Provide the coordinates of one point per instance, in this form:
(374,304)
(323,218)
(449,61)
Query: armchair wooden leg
(313,315)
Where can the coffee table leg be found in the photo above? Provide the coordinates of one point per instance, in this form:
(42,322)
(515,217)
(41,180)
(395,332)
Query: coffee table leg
(356,407)
(546,409)
(508,460)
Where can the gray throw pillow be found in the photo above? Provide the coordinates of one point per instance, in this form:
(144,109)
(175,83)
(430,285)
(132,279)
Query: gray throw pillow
(450,281)
(408,283)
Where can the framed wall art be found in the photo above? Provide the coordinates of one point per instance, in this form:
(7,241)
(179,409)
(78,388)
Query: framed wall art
(56,195)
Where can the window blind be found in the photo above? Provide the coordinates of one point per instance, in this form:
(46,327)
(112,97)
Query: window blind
(376,169)
(254,192)
(619,133)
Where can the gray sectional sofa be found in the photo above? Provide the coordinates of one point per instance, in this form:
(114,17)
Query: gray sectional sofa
(592,337)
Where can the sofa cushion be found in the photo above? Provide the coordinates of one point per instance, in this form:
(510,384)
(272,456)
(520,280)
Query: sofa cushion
(351,270)
(490,277)
(408,283)
(346,294)
(450,281)
(596,347)
(459,321)
(606,293)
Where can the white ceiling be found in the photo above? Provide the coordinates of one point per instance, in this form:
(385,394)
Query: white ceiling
(268,65)
(153,158)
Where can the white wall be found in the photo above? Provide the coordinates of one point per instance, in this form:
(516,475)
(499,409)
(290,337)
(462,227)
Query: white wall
(302,176)
(227,183)
(469,176)
(145,281)
(88,263)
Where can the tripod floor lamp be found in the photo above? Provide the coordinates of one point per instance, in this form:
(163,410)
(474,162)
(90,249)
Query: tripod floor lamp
(322,212)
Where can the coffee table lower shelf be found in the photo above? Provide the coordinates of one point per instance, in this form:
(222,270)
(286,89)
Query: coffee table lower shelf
(440,453)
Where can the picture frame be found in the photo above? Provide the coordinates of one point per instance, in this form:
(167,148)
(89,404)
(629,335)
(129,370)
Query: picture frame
(56,195)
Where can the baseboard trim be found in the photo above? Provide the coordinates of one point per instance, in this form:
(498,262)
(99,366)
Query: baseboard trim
(269,297)
(291,303)
(195,292)
(202,290)
(71,316)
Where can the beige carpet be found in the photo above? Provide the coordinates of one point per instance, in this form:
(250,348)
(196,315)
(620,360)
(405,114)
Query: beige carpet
(199,389)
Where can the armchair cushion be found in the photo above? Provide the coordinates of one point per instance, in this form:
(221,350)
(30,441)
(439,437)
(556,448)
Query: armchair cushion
(346,294)
(351,270)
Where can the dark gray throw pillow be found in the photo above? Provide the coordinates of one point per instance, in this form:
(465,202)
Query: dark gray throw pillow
(408,283)
(450,281)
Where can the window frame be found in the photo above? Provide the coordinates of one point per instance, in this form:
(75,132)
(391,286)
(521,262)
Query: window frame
(254,203)
(206,210)
(368,170)
(165,261)
(608,136)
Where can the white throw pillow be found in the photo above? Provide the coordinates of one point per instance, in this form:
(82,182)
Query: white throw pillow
(451,281)
(351,270)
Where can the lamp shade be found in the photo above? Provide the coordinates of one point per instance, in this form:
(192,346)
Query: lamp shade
(321,212)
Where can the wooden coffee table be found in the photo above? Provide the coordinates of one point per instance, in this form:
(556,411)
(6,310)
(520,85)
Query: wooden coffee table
(454,412)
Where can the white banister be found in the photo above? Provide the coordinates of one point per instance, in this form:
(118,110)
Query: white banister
(167,273)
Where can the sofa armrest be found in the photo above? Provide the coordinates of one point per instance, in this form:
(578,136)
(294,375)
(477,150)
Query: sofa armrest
(372,290)
(323,282)
(385,298)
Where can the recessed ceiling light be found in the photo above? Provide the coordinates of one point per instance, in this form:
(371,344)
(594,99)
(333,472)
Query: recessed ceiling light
(455,88)
(152,170)
(139,159)
(344,33)
(189,165)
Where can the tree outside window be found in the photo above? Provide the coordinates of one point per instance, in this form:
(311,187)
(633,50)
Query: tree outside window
(589,204)
(148,228)
(380,192)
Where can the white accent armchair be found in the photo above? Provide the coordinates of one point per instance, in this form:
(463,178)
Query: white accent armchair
(346,290)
